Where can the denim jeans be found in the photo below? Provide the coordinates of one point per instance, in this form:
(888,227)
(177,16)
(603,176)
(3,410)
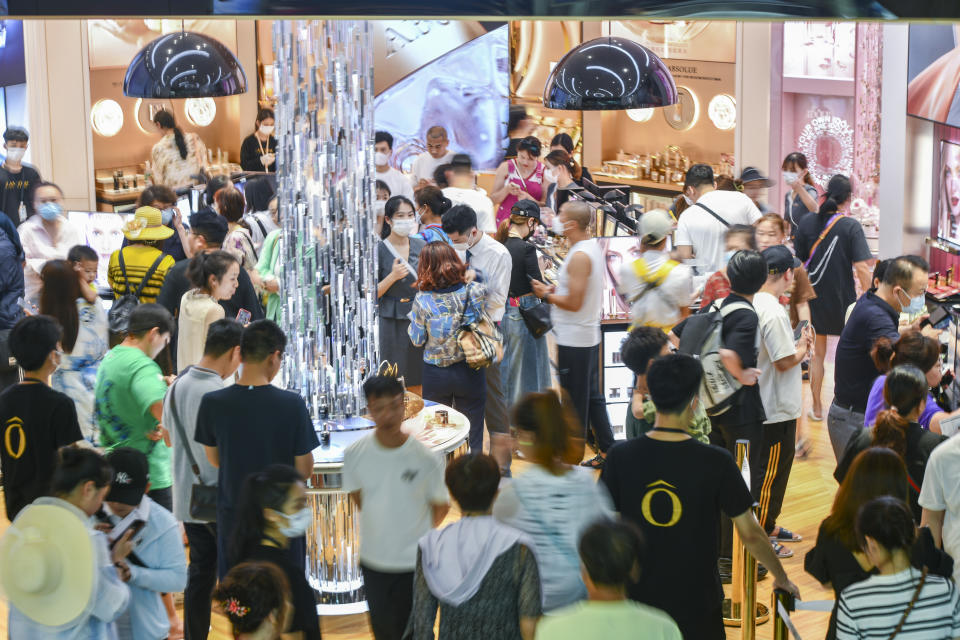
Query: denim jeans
(526,364)
(462,388)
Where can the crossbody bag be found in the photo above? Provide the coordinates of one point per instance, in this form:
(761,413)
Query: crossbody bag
(203,497)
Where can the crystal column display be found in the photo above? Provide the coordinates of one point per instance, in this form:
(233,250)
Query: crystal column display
(324,86)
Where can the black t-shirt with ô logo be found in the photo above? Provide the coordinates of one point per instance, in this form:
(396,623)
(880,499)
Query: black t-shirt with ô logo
(35,421)
(16,188)
(675,492)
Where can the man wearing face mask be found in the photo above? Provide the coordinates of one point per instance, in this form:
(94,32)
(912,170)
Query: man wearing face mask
(47,236)
(876,315)
(492,264)
(701,227)
(398,183)
(17,179)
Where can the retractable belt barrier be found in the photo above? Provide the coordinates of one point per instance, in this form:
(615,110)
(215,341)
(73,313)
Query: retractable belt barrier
(783,604)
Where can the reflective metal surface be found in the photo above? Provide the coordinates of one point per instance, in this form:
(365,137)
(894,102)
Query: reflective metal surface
(184,65)
(609,73)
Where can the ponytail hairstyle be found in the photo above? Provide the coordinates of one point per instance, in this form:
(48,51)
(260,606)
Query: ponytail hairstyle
(267,489)
(503,231)
(838,191)
(903,391)
(250,592)
(726,183)
(164,119)
(557,429)
(563,159)
(203,265)
(912,347)
(432,198)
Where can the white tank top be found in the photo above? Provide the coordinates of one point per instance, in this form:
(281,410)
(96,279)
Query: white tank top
(581,328)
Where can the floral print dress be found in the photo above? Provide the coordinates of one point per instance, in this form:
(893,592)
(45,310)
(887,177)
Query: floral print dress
(77,375)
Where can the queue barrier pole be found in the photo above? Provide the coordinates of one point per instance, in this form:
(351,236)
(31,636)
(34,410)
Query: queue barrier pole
(742,609)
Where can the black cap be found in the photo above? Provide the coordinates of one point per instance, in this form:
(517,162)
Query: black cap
(779,259)
(212,225)
(131,473)
(752,174)
(461,161)
(527,208)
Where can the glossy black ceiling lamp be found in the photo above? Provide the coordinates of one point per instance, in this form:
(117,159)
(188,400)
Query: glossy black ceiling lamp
(609,73)
(184,65)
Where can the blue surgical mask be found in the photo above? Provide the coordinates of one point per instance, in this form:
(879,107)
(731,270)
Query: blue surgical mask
(167,217)
(916,305)
(50,210)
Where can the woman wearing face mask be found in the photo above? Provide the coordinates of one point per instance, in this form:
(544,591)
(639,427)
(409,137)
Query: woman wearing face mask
(273,511)
(831,245)
(398,255)
(259,149)
(802,197)
(526,365)
(563,171)
(46,236)
(85,340)
(431,205)
(179,158)
(520,178)
(739,237)
(255,598)
(905,391)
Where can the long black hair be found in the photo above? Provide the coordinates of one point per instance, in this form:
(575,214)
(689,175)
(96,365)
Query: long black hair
(203,265)
(258,193)
(390,208)
(165,119)
(838,191)
(267,489)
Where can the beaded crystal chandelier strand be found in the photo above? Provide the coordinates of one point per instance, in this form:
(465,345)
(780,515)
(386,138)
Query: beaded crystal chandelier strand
(324,86)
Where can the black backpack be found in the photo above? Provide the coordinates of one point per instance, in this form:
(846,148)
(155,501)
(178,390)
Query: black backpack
(119,316)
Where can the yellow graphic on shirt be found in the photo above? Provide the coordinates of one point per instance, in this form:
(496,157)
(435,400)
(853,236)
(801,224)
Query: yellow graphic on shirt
(661,486)
(15,423)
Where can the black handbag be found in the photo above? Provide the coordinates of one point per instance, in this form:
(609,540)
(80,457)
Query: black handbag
(537,319)
(203,497)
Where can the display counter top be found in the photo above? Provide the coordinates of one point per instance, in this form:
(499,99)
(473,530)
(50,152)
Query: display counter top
(667,187)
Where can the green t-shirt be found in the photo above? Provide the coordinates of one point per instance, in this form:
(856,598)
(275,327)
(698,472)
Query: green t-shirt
(611,620)
(128,384)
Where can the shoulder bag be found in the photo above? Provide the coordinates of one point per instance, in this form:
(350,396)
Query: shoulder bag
(480,341)
(203,497)
(536,318)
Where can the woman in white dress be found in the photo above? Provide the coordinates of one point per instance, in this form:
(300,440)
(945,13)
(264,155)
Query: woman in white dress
(84,342)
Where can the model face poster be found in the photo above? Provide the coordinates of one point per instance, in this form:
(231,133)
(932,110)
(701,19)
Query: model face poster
(933,73)
(948,192)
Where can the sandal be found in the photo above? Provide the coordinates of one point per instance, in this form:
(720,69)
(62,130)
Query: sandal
(782,551)
(785,535)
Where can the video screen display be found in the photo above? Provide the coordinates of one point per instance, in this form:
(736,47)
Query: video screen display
(933,73)
(104,234)
(948,193)
(616,253)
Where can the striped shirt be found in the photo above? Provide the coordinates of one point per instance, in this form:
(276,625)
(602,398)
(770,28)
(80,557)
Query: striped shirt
(872,608)
(138,258)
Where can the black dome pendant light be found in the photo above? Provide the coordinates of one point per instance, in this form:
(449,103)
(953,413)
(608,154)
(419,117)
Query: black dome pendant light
(184,65)
(609,73)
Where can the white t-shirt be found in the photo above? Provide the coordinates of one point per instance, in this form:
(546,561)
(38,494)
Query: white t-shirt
(656,306)
(477,200)
(398,488)
(398,182)
(941,492)
(697,228)
(580,328)
(424,166)
(780,391)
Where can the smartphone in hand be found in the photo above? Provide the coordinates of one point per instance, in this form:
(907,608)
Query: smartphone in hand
(798,331)
(244,316)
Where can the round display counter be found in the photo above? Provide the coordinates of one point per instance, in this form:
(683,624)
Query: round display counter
(333,564)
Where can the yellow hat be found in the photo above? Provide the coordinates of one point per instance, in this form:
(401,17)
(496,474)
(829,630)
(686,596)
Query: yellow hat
(146,224)
(47,565)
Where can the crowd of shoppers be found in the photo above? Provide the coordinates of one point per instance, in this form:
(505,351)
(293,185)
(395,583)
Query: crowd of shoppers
(554,552)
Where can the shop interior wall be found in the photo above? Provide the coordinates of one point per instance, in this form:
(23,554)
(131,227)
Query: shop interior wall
(131,146)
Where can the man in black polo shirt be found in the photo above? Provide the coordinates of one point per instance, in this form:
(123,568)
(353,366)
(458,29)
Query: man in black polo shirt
(876,315)
(17,180)
(747,271)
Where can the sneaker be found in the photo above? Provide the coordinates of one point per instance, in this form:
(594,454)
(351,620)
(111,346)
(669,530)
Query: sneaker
(596,462)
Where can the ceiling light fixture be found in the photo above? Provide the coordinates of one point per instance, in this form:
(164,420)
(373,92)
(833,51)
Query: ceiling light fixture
(184,65)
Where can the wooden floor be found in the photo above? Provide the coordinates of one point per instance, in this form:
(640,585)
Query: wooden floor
(809,496)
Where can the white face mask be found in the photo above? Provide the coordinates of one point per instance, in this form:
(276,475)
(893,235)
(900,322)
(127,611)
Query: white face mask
(461,248)
(550,175)
(15,154)
(688,200)
(381,159)
(266,129)
(297,523)
(789,177)
(404,227)
(558,226)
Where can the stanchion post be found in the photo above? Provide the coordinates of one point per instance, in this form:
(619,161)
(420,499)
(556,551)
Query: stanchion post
(743,610)
(780,630)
